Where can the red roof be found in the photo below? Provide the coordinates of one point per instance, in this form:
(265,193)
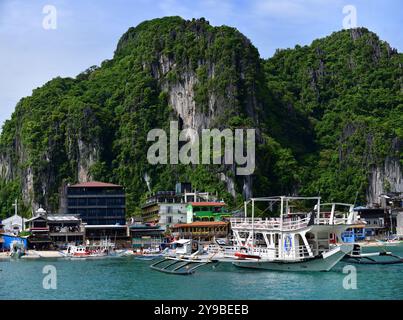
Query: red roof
(207,204)
(201,224)
(94,184)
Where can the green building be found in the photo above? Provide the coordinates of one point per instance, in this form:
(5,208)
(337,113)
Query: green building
(206,211)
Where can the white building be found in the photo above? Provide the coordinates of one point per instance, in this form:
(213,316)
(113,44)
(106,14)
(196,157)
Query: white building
(13,224)
(167,208)
(399,225)
(171,214)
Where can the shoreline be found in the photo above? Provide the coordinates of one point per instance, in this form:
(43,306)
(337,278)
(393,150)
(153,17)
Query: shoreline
(53,254)
(34,254)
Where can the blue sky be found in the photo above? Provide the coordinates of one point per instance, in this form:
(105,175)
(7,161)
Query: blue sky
(88,30)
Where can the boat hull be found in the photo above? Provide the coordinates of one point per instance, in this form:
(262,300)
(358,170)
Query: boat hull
(321,263)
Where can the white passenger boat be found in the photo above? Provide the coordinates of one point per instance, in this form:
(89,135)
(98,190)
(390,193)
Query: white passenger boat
(298,241)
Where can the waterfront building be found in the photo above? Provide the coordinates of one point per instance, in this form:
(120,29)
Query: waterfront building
(54,230)
(39,231)
(102,208)
(204,231)
(146,235)
(377,222)
(1,233)
(399,225)
(355,234)
(97,203)
(13,225)
(117,234)
(168,208)
(165,208)
(65,229)
(395,207)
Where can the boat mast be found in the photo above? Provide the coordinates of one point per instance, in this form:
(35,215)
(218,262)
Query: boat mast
(318,213)
(280,242)
(253,222)
(281,212)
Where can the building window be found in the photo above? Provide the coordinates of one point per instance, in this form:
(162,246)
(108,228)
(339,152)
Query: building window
(82,202)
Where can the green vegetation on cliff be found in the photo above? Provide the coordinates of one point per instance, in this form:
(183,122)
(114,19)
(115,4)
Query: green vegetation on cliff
(325,114)
(348,87)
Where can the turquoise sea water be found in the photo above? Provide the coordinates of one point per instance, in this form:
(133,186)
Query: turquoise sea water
(126,278)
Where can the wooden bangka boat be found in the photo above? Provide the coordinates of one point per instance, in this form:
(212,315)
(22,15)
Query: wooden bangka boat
(381,257)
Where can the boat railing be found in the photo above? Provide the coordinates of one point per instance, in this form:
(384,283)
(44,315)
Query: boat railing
(269,223)
(298,252)
(302,251)
(328,221)
(295,223)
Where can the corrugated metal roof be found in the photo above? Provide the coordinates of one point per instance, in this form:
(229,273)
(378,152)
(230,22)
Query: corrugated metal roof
(63,218)
(35,218)
(94,184)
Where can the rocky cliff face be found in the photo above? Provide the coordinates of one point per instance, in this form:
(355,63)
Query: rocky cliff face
(6,172)
(385,179)
(95,126)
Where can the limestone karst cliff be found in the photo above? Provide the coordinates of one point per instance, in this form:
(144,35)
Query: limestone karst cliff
(328,117)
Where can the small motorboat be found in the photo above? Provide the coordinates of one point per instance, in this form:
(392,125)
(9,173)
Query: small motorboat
(83,252)
(148,254)
(391,241)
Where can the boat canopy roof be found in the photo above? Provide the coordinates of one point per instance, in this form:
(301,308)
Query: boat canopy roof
(181,241)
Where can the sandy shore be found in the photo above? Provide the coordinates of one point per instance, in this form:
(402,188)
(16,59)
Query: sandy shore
(4,256)
(34,254)
(42,254)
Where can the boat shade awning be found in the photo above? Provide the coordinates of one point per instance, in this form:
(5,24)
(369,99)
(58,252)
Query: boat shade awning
(182,241)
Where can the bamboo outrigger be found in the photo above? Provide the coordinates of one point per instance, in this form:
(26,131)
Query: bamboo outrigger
(356,256)
(179,266)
